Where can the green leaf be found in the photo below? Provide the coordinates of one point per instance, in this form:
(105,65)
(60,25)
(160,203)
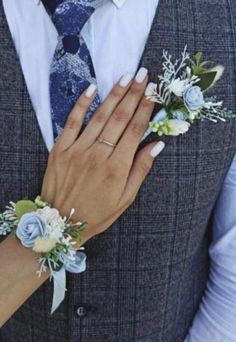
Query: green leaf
(24,206)
(197,70)
(192,61)
(198,57)
(40,203)
(183,109)
(83,226)
(204,63)
(206,80)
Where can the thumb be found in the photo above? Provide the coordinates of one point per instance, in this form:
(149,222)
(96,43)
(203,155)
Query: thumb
(141,167)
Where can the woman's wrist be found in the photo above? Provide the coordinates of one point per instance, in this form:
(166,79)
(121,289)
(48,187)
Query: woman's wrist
(85,236)
(12,246)
(18,276)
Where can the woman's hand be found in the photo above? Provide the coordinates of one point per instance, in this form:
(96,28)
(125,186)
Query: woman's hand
(100,181)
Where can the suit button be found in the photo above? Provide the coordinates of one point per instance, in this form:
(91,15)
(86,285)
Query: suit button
(81,311)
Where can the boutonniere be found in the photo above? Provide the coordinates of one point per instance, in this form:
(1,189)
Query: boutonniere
(182,93)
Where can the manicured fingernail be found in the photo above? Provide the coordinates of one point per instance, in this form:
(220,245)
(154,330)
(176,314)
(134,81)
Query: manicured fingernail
(90,90)
(141,75)
(157,149)
(125,80)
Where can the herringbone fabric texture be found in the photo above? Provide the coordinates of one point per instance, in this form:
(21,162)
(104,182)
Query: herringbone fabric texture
(146,275)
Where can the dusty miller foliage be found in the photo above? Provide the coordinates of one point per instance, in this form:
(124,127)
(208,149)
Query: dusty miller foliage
(8,220)
(170,72)
(216,112)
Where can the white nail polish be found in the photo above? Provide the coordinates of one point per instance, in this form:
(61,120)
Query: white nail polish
(124,81)
(157,149)
(141,75)
(91,90)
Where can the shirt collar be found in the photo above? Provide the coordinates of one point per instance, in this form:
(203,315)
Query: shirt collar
(119,3)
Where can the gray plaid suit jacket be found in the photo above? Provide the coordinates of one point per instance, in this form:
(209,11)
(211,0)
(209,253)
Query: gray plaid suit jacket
(146,275)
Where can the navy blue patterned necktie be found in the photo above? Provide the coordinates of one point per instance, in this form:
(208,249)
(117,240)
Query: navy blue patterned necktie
(72,68)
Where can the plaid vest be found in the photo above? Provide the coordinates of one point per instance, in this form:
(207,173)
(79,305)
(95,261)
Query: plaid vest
(146,275)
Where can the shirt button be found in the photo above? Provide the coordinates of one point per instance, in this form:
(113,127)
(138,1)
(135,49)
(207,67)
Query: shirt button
(81,311)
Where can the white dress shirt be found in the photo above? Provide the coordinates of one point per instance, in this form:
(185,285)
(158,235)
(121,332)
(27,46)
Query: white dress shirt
(35,38)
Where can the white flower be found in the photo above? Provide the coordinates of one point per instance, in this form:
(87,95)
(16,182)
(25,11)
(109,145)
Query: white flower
(55,232)
(49,215)
(55,225)
(178,86)
(178,127)
(44,245)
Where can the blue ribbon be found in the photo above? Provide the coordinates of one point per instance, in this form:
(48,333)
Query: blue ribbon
(59,278)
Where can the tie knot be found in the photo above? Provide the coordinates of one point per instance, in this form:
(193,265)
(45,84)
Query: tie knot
(69,16)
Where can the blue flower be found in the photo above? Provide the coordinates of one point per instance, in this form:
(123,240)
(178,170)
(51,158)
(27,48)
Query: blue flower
(178,115)
(193,98)
(160,116)
(30,227)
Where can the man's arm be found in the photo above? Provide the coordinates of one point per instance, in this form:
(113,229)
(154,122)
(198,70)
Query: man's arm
(216,318)
(18,276)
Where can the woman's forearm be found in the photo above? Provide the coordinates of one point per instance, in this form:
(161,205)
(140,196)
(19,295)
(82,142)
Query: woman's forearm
(18,278)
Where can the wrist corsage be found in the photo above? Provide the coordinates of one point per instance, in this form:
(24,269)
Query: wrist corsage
(181,93)
(40,227)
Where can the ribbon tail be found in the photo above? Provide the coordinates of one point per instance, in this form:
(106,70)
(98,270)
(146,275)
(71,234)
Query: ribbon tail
(59,288)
